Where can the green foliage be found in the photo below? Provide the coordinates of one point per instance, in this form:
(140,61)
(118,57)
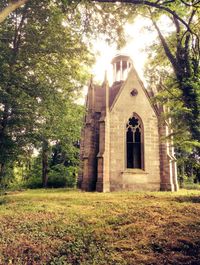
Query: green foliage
(173,73)
(62,171)
(43,65)
(60,176)
(167,90)
(34,182)
(191,186)
(33,179)
(8,177)
(188,167)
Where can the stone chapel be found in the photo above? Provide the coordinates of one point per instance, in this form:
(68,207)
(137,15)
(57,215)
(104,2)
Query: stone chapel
(123,146)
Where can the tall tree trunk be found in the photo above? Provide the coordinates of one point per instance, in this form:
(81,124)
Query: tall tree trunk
(2,171)
(45,153)
(191,101)
(3,147)
(182,175)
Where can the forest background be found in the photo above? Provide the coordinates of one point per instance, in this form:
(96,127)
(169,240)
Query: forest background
(45,61)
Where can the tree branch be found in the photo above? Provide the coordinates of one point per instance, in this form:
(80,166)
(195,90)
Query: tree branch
(10,8)
(166,48)
(17,37)
(150,4)
(181,52)
(168,2)
(191,17)
(195,41)
(178,29)
(168,90)
(189,5)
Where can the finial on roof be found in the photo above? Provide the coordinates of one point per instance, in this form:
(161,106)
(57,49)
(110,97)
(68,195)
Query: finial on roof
(90,100)
(105,87)
(105,81)
(91,80)
(105,77)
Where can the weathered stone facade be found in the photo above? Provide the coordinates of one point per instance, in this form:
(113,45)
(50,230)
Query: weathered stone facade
(122,146)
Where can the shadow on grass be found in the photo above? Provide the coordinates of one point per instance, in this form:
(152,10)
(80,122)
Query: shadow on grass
(3,201)
(179,252)
(187,247)
(190,199)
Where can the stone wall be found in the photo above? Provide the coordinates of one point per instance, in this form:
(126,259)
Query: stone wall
(124,107)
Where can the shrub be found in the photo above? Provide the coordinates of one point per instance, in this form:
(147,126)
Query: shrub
(191,186)
(61,176)
(34,182)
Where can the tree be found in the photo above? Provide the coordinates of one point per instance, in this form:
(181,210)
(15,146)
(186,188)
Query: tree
(58,135)
(36,75)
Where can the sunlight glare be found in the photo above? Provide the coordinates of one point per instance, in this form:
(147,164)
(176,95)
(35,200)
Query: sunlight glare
(140,35)
(138,38)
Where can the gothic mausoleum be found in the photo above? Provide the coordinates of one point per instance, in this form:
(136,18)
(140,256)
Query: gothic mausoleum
(122,145)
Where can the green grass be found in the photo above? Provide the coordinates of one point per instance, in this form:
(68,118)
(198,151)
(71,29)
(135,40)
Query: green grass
(73,227)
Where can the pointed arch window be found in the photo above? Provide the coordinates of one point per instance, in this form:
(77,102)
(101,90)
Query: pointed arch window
(134,143)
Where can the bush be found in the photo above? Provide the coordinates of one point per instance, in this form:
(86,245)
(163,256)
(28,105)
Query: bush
(191,186)
(61,176)
(72,173)
(7,178)
(34,182)
(34,177)
(58,176)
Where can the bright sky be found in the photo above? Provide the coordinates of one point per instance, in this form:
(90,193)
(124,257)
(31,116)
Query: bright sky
(139,38)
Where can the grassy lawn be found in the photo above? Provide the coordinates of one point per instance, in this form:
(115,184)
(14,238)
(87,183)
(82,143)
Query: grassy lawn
(73,227)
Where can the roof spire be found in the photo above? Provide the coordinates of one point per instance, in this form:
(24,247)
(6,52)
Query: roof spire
(105,77)
(105,85)
(90,104)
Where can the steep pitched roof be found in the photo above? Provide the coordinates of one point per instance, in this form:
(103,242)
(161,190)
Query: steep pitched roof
(114,90)
(120,88)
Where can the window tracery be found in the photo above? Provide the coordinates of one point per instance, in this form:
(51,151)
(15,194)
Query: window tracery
(134,152)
